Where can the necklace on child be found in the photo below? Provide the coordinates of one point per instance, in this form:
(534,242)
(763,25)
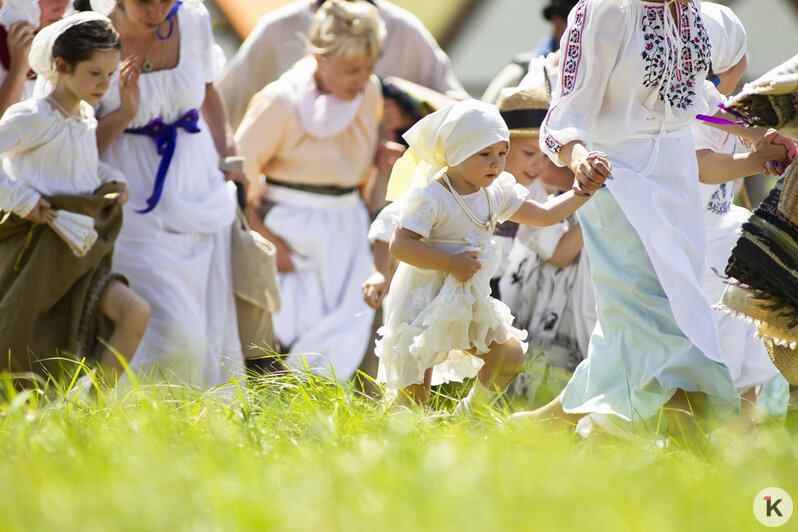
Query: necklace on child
(488,225)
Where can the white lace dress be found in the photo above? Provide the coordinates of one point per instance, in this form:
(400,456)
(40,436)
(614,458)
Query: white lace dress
(431,318)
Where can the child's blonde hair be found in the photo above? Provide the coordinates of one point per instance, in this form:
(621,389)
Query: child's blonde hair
(347,28)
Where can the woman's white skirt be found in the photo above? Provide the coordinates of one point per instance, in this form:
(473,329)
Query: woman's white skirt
(324,321)
(193,332)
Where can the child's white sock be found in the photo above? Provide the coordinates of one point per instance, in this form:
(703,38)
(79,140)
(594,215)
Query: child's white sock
(480,396)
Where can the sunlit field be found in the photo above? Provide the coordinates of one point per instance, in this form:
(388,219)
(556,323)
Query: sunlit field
(292,453)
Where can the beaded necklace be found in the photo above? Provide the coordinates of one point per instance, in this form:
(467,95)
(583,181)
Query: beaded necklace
(488,225)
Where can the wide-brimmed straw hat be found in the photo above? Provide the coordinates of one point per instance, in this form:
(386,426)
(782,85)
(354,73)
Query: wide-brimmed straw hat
(523,110)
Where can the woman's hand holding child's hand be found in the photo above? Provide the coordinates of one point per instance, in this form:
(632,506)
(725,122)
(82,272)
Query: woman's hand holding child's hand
(35,215)
(463,266)
(129,93)
(590,172)
(774,148)
(374,290)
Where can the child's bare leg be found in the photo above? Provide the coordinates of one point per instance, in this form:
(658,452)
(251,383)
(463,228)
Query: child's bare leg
(417,394)
(552,411)
(130,314)
(685,413)
(502,363)
(747,423)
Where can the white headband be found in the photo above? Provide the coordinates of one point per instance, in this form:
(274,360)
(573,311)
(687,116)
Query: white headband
(41,51)
(445,138)
(453,134)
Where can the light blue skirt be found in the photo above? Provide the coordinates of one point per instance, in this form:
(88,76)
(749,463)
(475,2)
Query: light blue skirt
(638,356)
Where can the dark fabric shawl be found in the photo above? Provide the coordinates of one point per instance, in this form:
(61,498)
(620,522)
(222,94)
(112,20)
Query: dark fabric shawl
(48,296)
(765,257)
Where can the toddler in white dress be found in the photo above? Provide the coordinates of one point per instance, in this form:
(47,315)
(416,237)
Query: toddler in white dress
(439,313)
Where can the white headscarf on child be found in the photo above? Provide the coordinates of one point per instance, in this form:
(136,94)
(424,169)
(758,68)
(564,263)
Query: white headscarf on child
(41,50)
(726,35)
(445,138)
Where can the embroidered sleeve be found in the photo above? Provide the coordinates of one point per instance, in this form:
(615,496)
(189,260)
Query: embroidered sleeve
(590,48)
(418,212)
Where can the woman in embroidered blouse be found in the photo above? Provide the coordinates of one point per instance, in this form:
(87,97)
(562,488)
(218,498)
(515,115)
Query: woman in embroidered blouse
(313,134)
(174,247)
(632,81)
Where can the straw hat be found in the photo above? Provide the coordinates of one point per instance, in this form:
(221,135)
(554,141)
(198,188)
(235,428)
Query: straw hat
(523,110)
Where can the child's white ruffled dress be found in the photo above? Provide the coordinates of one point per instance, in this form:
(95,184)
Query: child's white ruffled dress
(431,318)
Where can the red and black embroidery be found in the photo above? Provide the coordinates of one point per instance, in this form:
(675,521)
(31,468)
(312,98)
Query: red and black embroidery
(675,77)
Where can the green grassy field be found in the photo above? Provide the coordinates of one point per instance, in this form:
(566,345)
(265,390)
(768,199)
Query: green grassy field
(291,455)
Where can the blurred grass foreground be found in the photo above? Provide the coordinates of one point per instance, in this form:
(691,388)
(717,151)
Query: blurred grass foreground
(307,454)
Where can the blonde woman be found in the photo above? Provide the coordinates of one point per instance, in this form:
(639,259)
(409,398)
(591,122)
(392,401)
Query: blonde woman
(309,140)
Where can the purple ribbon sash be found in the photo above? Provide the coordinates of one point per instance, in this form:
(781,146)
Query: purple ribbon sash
(165,137)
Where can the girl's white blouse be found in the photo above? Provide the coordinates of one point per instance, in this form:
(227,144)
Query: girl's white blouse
(45,152)
(619,76)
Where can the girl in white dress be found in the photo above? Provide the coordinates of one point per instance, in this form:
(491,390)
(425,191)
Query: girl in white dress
(631,83)
(439,313)
(50,299)
(165,128)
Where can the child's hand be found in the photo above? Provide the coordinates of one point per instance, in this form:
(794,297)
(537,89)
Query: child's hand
(375,289)
(20,37)
(590,173)
(124,196)
(464,265)
(36,215)
(129,93)
(772,148)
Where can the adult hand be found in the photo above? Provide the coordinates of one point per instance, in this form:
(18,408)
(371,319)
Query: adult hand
(20,37)
(129,93)
(375,289)
(35,215)
(590,172)
(387,154)
(464,265)
(283,252)
(775,149)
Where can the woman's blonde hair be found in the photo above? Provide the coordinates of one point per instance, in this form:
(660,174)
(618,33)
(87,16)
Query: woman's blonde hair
(349,28)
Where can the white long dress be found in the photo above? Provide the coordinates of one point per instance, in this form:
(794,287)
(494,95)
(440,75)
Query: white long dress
(177,256)
(431,318)
(632,80)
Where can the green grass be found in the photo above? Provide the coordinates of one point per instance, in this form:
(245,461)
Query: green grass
(297,455)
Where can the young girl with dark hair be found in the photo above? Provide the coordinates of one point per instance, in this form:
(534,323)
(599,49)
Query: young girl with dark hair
(52,301)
